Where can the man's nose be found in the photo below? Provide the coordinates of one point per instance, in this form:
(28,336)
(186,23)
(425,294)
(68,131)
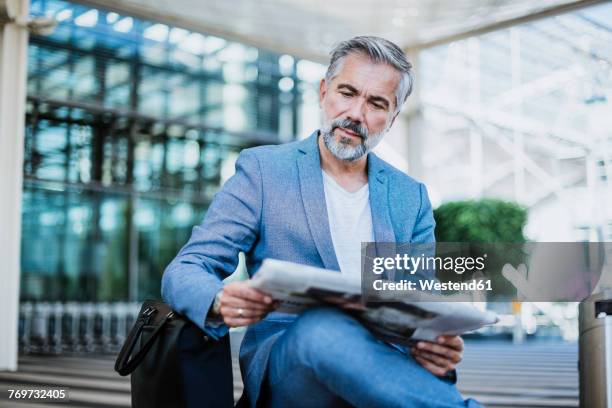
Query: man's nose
(356,111)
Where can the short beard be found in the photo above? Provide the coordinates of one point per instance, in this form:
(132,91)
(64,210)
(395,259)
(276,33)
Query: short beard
(343,150)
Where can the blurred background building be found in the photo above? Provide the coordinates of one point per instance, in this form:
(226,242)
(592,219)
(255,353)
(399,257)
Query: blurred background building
(132,125)
(133,113)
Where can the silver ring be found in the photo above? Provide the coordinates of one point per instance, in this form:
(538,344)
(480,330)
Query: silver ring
(240,312)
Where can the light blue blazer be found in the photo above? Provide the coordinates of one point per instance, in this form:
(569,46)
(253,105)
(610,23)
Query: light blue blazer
(274,207)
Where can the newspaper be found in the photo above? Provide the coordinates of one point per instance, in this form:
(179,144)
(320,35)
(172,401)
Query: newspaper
(402,320)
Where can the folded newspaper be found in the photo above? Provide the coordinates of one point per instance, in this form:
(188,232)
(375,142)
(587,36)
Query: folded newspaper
(401,320)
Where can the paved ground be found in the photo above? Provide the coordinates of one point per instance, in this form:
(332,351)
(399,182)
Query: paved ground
(497,374)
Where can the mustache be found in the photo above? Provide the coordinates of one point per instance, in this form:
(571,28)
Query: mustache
(353,126)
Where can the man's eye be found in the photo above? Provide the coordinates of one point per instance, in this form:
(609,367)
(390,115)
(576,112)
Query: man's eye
(347,94)
(377,106)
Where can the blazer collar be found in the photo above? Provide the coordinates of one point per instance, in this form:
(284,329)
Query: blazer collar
(313,197)
(379,199)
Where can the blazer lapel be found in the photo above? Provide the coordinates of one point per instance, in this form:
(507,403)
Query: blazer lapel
(379,201)
(313,197)
(384,236)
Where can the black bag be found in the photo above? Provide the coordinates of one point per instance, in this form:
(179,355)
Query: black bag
(173,363)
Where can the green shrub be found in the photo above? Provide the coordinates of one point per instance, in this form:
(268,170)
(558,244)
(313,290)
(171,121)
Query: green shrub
(486,220)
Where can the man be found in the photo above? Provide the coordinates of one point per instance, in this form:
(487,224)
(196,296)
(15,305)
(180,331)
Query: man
(314,202)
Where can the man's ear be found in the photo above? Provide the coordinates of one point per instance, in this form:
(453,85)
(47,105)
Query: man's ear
(322,90)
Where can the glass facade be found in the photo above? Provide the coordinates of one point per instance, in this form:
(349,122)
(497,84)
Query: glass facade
(132,126)
(523,114)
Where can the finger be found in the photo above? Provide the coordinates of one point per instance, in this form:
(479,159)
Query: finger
(432,368)
(436,360)
(447,352)
(248,293)
(237,302)
(443,351)
(239,312)
(455,342)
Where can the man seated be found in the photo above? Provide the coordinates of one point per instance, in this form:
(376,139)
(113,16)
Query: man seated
(313,202)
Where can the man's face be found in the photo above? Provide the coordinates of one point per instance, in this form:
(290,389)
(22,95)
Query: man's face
(357,106)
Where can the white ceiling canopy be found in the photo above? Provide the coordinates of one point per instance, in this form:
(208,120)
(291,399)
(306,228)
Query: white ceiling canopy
(309,28)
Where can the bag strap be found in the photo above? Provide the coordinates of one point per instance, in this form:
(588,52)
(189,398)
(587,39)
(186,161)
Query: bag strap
(124,365)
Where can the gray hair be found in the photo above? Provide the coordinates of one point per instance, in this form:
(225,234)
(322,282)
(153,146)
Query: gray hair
(378,50)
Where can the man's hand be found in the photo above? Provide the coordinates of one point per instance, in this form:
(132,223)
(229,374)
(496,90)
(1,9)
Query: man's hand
(242,305)
(439,357)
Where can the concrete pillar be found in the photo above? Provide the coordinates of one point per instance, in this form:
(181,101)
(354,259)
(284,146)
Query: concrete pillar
(13,74)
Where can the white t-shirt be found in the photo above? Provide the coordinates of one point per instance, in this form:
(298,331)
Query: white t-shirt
(350,223)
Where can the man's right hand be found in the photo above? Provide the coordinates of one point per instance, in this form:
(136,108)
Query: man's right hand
(242,305)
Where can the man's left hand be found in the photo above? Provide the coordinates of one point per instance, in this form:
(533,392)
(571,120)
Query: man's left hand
(439,357)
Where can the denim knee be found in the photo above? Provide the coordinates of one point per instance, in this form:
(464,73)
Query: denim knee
(316,332)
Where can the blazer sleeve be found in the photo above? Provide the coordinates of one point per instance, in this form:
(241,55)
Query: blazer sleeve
(231,225)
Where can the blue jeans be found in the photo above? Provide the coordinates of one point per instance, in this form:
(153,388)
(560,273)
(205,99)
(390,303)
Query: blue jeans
(326,358)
